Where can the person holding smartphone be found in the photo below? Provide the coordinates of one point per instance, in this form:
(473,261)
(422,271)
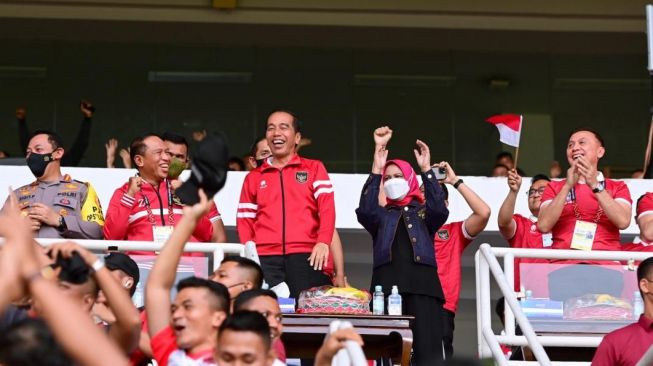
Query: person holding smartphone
(403,232)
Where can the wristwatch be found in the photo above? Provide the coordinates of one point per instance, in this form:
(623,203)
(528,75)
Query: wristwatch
(62,224)
(599,188)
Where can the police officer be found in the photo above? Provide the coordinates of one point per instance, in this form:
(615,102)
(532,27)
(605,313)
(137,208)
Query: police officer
(57,205)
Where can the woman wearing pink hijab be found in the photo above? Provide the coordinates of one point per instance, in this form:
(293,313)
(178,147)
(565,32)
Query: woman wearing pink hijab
(402,233)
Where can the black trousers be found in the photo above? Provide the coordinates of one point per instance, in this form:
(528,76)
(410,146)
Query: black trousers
(295,270)
(448,327)
(427,328)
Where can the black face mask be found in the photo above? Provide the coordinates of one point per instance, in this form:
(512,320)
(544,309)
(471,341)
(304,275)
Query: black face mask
(37,163)
(259,162)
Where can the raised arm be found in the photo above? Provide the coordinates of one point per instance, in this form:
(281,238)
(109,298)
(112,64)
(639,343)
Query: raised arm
(507,225)
(436,209)
(126,329)
(162,276)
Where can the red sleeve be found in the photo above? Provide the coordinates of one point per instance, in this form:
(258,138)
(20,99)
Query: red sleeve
(622,193)
(116,221)
(323,194)
(163,344)
(247,209)
(549,193)
(204,229)
(214,214)
(645,205)
(605,354)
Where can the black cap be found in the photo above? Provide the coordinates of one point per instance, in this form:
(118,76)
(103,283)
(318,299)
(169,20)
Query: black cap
(208,170)
(73,269)
(121,261)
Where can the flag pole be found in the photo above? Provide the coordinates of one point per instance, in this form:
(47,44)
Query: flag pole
(516,156)
(521,119)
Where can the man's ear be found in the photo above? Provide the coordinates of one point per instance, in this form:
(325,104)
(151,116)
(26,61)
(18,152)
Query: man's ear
(58,153)
(217,318)
(601,152)
(252,162)
(128,282)
(138,160)
(298,137)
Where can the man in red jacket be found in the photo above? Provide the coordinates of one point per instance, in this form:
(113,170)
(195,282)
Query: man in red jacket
(145,208)
(287,208)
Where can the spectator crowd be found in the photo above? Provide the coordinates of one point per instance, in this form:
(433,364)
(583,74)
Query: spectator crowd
(64,304)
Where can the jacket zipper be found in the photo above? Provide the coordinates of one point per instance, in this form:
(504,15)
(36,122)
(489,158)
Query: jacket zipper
(158,196)
(283,214)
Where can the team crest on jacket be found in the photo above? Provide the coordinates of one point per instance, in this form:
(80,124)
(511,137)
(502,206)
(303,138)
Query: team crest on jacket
(301,177)
(443,234)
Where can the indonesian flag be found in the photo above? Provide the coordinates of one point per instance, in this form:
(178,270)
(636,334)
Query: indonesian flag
(509,126)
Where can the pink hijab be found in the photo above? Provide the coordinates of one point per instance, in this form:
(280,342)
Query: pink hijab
(413,184)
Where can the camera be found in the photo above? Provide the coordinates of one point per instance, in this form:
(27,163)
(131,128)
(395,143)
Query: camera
(440,172)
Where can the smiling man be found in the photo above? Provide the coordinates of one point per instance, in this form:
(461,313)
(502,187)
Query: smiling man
(287,208)
(145,208)
(585,211)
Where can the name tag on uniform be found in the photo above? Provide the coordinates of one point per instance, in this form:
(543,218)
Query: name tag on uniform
(584,233)
(547,240)
(160,234)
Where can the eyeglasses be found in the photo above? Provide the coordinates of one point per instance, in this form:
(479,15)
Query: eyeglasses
(276,316)
(531,192)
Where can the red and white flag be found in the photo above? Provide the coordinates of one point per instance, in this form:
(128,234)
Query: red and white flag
(509,126)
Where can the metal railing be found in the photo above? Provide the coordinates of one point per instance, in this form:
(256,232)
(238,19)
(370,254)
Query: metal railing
(486,262)
(218,250)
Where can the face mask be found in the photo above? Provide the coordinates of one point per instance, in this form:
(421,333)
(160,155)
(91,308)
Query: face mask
(259,162)
(396,188)
(38,162)
(175,168)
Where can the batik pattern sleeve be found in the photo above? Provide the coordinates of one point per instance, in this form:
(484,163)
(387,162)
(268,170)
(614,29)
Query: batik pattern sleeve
(323,194)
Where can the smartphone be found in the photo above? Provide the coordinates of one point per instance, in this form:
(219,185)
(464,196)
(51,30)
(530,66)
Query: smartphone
(440,173)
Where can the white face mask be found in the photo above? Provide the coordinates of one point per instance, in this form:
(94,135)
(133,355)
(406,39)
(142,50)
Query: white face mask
(396,188)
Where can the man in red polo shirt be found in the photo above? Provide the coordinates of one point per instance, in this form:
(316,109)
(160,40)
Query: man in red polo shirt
(644,219)
(585,211)
(450,242)
(625,346)
(287,208)
(520,231)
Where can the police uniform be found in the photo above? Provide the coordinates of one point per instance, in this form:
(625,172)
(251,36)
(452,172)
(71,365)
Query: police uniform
(76,202)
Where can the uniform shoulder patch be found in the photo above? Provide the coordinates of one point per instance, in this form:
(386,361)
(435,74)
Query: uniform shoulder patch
(443,234)
(301,177)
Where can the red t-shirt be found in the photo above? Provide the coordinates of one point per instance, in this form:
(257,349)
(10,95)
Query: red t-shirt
(527,236)
(607,234)
(450,242)
(165,352)
(625,346)
(645,205)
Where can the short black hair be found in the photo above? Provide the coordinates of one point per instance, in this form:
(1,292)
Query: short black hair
(220,293)
(445,190)
(237,160)
(587,129)
(248,321)
(254,147)
(138,147)
(53,138)
(296,122)
(504,154)
(31,342)
(253,268)
(537,177)
(246,296)
(174,138)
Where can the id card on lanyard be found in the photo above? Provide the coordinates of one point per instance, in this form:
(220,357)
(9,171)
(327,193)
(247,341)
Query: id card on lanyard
(584,231)
(160,233)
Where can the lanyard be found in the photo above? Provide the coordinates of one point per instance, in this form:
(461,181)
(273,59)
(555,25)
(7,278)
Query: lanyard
(599,212)
(148,206)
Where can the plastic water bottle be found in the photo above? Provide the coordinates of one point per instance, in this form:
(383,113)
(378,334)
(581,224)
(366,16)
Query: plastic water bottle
(378,301)
(394,302)
(638,305)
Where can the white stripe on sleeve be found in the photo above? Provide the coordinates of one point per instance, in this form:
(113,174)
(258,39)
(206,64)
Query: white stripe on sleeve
(322,190)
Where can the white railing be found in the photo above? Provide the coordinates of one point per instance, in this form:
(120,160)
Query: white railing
(217,249)
(489,343)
